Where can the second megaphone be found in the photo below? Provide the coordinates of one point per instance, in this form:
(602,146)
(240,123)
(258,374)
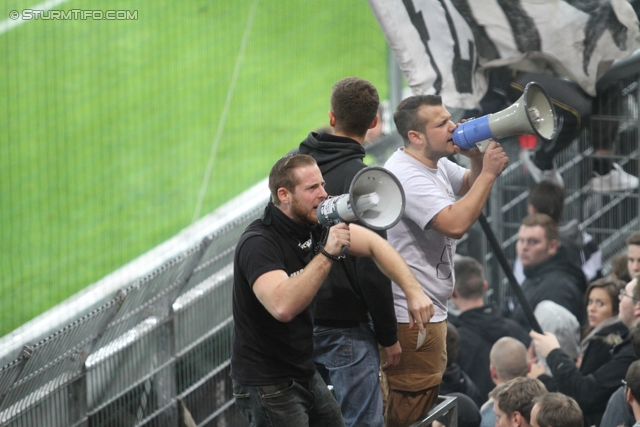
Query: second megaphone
(532,113)
(375,198)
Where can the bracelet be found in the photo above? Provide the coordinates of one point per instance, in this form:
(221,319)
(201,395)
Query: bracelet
(328,255)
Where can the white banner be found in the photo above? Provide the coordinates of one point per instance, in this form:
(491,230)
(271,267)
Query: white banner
(445,46)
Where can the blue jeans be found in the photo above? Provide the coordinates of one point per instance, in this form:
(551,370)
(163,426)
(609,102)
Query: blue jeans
(289,404)
(350,360)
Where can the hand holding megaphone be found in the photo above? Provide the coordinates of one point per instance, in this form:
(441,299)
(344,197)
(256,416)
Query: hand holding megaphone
(338,240)
(495,159)
(532,113)
(375,198)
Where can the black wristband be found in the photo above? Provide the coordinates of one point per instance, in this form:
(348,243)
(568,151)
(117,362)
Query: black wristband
(328,255)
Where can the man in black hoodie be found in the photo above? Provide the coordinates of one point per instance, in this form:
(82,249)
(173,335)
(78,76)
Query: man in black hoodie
(479,325)
(549,273)
(354,307)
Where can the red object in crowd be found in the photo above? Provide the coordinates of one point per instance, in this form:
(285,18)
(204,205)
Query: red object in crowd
(527,141)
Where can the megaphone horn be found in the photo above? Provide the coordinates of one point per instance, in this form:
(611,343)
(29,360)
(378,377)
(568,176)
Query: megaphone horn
(533,113)
(375,198)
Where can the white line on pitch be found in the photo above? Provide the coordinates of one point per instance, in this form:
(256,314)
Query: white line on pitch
(9,23)
(223,117)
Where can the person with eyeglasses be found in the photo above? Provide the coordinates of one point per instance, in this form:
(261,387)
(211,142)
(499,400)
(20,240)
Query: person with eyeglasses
(623,293)
(592,391)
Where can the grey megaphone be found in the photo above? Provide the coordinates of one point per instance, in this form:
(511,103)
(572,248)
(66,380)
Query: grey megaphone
(375,198)
(532,113)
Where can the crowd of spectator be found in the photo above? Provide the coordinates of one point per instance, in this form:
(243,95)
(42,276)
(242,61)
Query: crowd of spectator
(310,308)
(587,356)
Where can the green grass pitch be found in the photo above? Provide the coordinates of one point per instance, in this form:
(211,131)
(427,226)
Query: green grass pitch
(107,126)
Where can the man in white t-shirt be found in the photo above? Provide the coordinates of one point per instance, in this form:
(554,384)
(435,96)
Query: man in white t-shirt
(426,238)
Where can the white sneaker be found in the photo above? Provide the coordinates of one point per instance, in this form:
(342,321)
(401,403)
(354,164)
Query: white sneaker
(616,180)
(538,175)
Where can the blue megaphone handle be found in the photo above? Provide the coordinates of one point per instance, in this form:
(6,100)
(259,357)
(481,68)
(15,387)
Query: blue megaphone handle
(468,133)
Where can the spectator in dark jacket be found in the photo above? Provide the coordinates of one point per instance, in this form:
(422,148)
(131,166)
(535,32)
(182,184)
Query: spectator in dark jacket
(618,412)
(592,391)
(548,197)
(604,328)
(550,275)
(455,379)
(479,325)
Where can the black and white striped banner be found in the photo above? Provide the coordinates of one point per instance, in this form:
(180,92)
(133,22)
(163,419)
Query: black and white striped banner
(444,46)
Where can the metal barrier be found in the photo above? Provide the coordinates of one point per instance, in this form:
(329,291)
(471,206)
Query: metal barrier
(158,350)
(608,217)
(156,353)
(445,406)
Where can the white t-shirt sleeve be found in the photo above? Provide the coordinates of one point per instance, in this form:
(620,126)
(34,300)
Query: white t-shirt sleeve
(454,172)
(428,191)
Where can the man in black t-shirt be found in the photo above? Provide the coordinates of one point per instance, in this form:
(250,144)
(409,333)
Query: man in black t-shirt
(280,262)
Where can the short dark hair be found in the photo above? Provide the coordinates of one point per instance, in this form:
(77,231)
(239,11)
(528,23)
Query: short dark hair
(469,278)
(548,198)
(611,286)
(633,239)
(633,379)
(517,395)
(406,116)
(355,103)
(282,174)
(546,222)
(558,410)
(620,267)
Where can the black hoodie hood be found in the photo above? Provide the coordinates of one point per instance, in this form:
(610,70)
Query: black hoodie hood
(331,151)
(488,323)
(561,261)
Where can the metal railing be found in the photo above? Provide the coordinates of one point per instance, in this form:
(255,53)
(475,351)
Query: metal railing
(608,217)
(446,406)
(155,351)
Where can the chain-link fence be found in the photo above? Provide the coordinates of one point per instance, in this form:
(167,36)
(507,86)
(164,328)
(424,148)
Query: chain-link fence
(609,216)
(158,352)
